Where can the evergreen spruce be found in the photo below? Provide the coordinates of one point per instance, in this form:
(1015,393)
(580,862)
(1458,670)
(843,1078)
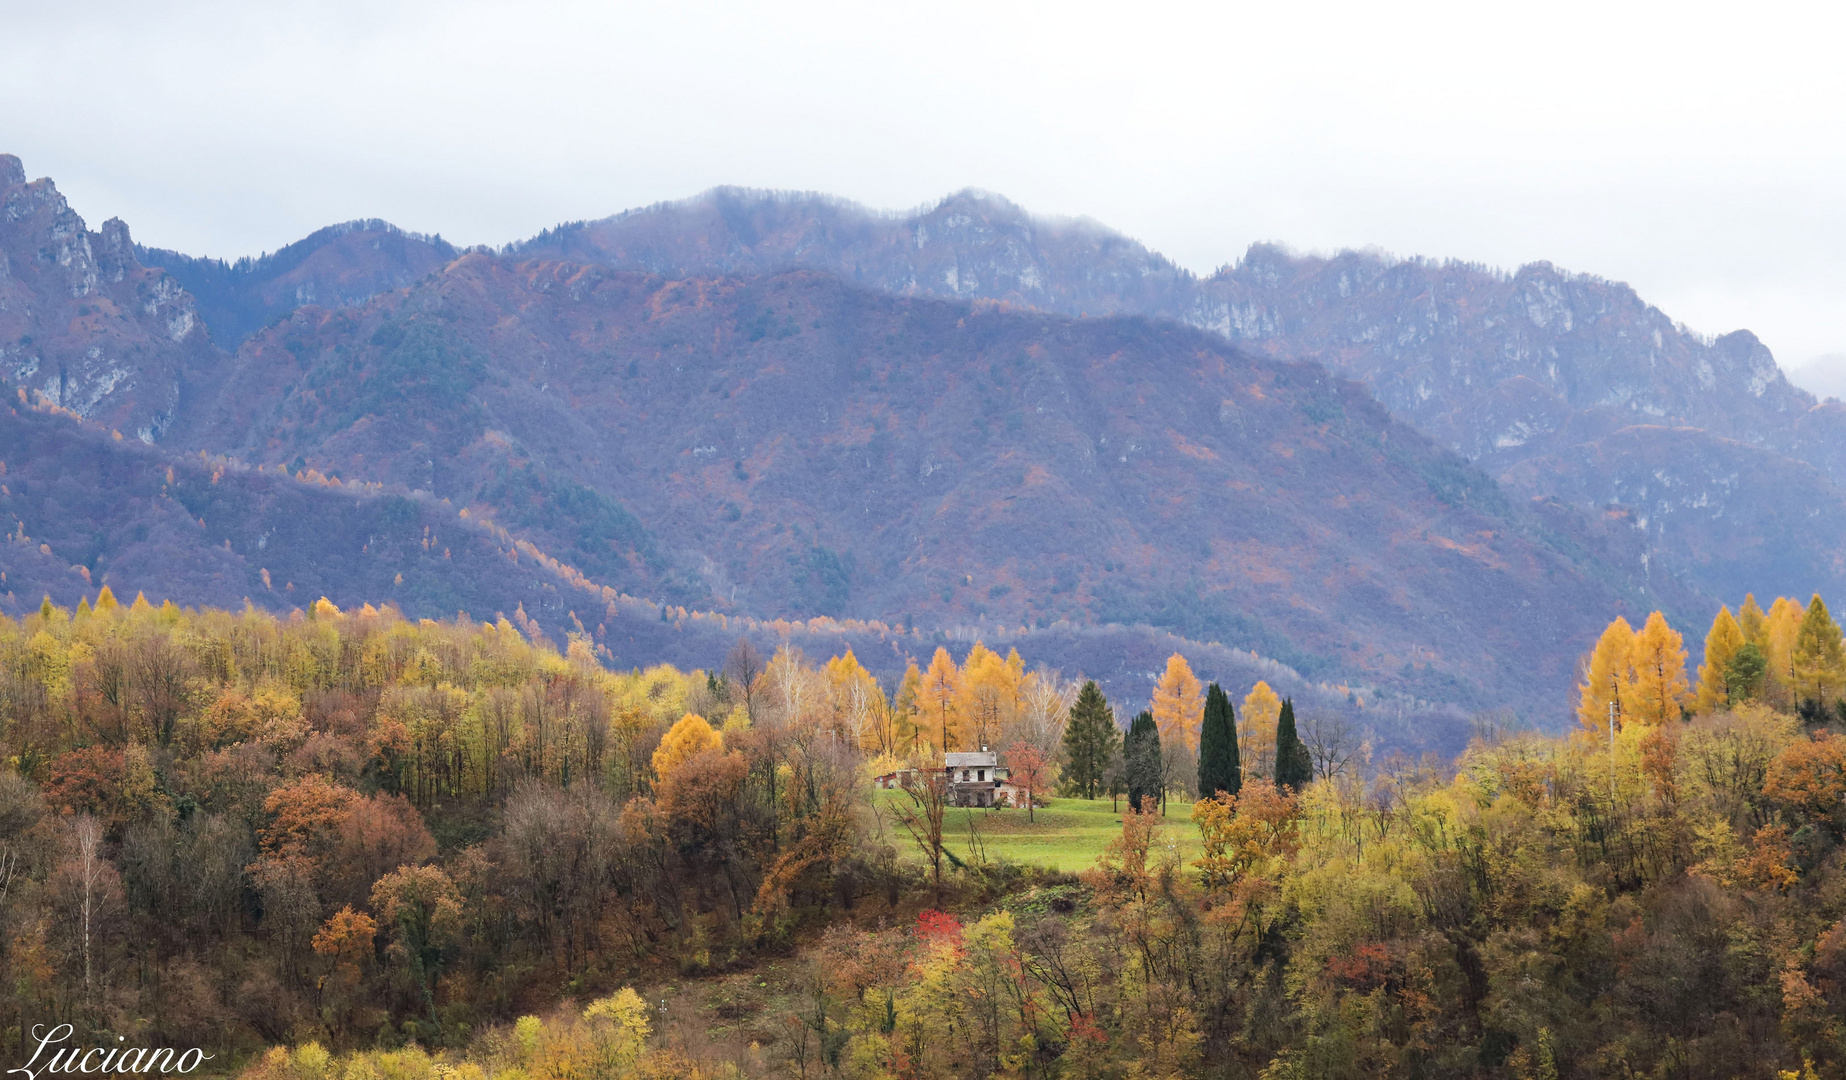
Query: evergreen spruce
(1219,767)
(1089,743)
(1141,755)
(1294,767)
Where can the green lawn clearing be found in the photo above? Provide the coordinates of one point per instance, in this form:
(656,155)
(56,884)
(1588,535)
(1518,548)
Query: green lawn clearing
(1068,835)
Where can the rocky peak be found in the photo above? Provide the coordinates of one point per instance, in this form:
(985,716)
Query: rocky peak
(82,323)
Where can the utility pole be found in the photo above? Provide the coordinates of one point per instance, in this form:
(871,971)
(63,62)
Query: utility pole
(1611,756)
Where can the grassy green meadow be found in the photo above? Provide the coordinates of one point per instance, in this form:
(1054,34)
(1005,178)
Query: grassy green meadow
(1068,835)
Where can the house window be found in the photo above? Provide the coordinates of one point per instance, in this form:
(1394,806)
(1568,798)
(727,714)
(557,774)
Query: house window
(983,775)
(964,775)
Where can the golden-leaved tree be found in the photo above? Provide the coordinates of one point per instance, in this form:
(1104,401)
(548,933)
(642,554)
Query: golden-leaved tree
(1781,626)
(941,687)
(1610,678)
(1256,731)
(989,694)
(1750,620)
(907,720)
(1659,672)
(690,736)
(1818,658)
(1721,644)
(1179,704)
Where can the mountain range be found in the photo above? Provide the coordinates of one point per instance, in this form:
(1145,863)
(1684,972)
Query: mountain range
(1414,481)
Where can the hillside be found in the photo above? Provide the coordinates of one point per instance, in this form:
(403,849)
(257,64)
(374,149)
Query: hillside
(337,266)
(789,445)
(1437,342)
(1502,368)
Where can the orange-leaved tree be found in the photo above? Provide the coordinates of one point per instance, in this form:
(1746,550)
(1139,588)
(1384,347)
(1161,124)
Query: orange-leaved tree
(1179,704)
(1610,678)
(941,686)
(690,736)
(1659,672)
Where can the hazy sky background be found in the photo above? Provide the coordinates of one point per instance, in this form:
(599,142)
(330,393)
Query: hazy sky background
(1696,151)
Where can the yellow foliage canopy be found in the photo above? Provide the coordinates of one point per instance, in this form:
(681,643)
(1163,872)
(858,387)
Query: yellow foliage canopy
(689,737)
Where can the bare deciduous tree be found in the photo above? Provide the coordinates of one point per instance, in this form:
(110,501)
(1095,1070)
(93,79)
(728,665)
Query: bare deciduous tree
(1332,742)
(744,667)
(922,818)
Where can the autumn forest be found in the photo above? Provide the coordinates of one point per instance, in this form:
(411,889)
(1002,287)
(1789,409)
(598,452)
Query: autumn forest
(346,845)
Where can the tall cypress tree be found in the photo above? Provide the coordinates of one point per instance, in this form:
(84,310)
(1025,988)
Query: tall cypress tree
(1141,752)
(1219,767)
(1294,767)
(1089,742)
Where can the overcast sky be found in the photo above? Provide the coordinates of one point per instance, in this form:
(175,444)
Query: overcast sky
(1697,151)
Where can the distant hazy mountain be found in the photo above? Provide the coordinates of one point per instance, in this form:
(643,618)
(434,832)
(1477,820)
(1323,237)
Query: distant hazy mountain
(1823,376)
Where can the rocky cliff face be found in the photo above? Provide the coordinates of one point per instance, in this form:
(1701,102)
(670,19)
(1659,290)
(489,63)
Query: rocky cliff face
(85,325)
(1498,366)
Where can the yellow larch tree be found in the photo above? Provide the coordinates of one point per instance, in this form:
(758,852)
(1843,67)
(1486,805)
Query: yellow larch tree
(1179,704)
(1819,657)
(1256,730)
(1750,620)
(1780,628)
(856,704)
(1659,672)
(1610,677)
(989,691)
(907,720)
(1721,644)
(941,687)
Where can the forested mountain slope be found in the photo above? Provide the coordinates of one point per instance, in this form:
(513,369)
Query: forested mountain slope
(1502,368)
(337,266)
(792,445)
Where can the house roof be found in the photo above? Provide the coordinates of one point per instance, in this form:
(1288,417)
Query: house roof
(977,759)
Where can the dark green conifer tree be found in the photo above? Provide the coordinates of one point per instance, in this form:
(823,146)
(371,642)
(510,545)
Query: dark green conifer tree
(1294,767)
(1219,767)
(1089,742)
(1141,756)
